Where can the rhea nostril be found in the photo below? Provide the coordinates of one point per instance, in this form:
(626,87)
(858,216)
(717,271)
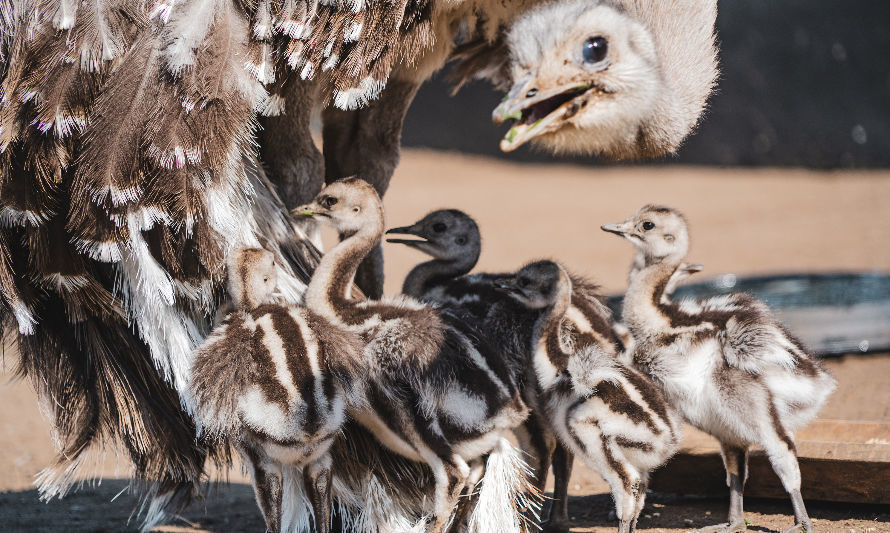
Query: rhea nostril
(531,92)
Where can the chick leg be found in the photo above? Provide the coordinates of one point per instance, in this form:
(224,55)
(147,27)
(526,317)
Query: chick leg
(735,459)
(783,457)
(562,473)
(641,499)
(450,480)
(267,485)
(317,480)
(468,499)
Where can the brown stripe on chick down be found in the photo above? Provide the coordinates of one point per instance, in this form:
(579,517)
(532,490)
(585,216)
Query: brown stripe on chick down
(627,443)
(777,424)
(600,324)
(614,464)
(295,353)
(266,376)
(650,393)
(619,402)
(555,352)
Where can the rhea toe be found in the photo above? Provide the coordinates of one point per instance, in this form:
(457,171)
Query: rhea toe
(724,363)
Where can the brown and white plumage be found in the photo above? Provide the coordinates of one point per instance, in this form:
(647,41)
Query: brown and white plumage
(129,169)
(275,380)
(604,411)
(724,363)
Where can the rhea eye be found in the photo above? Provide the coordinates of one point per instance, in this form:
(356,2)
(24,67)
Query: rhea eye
(595,49)
(439,227)
(461,240)
(648,225)
(265,279)
(523,282)
(328,202)
(356,209)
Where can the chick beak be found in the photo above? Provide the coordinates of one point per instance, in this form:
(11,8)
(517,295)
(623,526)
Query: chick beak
(618,228)
(537,110)
(306,210)
(505,284)
(408,230)
(692,268)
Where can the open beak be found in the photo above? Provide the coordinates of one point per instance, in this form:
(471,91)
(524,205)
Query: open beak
(537,111)
(407,230)
(420,243)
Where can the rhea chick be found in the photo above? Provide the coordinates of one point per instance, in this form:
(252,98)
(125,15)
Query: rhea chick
(725,363)
(607,413)
(438,393)
(453,240)
(619,79)
(275,380)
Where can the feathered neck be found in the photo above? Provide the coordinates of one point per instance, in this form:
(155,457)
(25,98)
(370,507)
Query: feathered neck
(640,309)
(683,31)
(329,290)
(548,327)
(425,276)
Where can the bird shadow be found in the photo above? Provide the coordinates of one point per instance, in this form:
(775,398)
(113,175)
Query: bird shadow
(689,513)
(107,507)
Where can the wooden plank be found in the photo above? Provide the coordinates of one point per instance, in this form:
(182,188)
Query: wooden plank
(840,460)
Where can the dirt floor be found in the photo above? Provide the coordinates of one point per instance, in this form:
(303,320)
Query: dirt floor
(742,221)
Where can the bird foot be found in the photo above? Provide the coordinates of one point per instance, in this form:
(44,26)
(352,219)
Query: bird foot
(800,528)
(724,528)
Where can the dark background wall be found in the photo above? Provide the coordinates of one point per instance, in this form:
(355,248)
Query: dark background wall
(804,83)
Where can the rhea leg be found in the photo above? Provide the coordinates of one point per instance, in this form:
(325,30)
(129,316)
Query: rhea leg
(641,499)
(267,485)
(287,149)
(562,473)
(468,499)
(365,143)
(317,481)
(450,479)
(735,459)
(783,458)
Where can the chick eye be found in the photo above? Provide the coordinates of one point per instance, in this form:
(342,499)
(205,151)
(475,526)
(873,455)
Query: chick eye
(595,49)
(328,202)
(523,282)
(439,227)
(265,279)
(648,225)
(461,240)
(356,209)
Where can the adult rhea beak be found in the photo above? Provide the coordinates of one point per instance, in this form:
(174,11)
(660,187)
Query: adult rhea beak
(537,109)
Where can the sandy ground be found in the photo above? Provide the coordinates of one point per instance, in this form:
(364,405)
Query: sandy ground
(742,221)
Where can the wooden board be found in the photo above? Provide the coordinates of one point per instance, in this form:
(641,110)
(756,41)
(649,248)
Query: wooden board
(840,460)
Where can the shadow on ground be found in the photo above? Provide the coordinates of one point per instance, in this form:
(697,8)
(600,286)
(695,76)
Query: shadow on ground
(107,507)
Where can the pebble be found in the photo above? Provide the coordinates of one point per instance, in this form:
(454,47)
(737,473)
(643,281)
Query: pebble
(688,521)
